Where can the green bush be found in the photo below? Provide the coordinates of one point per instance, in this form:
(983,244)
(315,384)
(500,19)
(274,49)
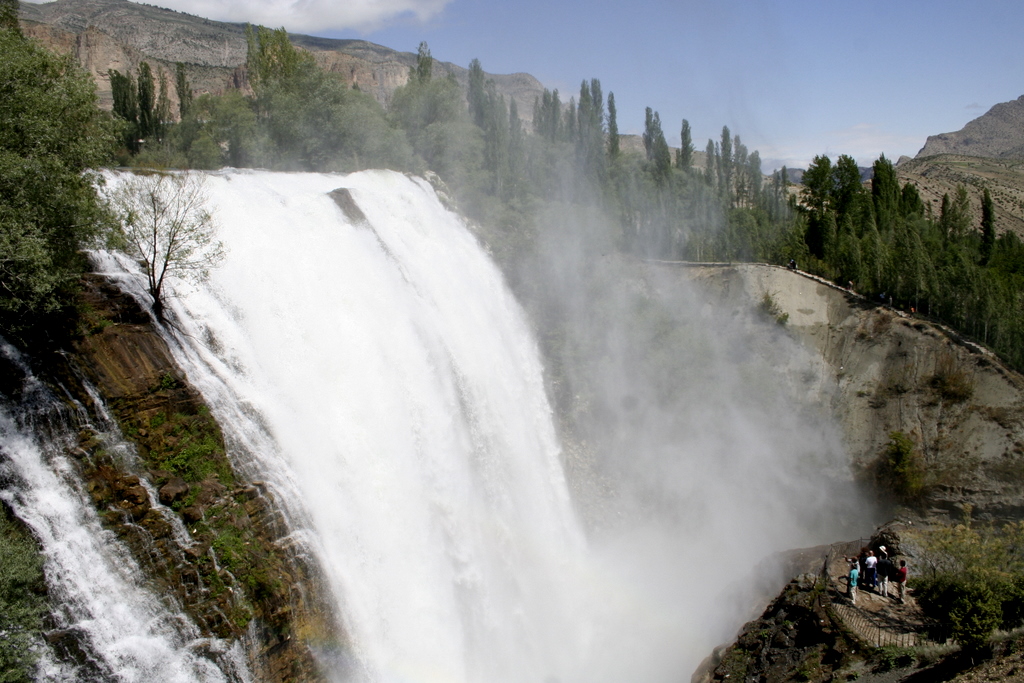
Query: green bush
(900,468)
(22,601)
(965,609)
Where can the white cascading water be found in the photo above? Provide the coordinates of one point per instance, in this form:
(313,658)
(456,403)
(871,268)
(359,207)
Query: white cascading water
(379,376)
(401,418)
(123,631)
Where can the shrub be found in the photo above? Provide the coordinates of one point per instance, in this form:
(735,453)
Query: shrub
(770,307)
(951,379)
(900,468)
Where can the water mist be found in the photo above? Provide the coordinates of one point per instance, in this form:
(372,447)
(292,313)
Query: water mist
(374,369)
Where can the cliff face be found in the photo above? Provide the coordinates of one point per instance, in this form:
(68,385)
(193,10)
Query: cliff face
(237,576)
(999,133)
(117,34)
(885,371)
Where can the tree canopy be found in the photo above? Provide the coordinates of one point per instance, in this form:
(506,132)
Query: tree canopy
(51,134)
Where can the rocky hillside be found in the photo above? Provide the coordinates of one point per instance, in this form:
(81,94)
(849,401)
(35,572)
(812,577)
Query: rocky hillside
(211,542)
(118,34)
(937,175)
(881,370)
(884,371)
(997,134)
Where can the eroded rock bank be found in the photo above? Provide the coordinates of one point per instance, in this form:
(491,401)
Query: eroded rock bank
(893,380)
(211,543)
(886,371)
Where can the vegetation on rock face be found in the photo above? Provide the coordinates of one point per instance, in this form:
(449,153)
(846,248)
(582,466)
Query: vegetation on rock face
(970,580)
(900,468)
(22,600)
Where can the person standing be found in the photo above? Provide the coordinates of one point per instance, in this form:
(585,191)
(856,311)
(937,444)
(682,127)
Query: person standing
(885,570)
(901,580)
(870,567)
(851,579)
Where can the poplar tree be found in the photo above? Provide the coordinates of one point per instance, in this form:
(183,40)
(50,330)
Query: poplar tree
(725,162)
(684,157)
(424,63)
(183,90)
(885,193)
(476,96)
(147,102)
(988,227)
(648,136)
(613,128)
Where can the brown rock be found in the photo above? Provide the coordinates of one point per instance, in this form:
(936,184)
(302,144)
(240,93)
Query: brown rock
(135,499)
(175,489)
(192,514)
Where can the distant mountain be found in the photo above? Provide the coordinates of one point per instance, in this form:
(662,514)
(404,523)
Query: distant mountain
(118,34)
(998,134)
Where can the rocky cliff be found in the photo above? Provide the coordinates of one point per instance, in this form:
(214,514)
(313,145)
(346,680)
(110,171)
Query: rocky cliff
(236,572)
(118,34)
(884,370)
(998,134)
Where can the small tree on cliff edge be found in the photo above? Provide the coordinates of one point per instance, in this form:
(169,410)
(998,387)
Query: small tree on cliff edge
(164,224)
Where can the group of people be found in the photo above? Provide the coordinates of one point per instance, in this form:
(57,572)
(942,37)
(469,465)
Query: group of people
(874,570)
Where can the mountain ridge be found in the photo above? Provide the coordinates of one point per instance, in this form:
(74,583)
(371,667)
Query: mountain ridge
(997,134)
(119,34)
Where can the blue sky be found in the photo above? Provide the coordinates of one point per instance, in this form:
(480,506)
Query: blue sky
(793,78)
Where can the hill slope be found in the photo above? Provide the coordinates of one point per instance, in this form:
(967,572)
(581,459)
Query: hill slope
(940,174)
(118,34)
(998,134)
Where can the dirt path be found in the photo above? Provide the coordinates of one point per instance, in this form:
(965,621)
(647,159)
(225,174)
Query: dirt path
(876,619)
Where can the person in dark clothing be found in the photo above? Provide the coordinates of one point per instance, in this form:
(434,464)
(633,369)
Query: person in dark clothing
(885,571)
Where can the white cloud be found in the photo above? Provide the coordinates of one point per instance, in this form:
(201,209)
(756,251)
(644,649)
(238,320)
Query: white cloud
(310,16)
(863,141)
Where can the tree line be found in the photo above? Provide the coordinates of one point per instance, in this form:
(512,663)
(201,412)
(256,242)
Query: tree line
(294,115)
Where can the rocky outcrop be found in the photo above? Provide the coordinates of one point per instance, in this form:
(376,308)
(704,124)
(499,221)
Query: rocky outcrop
(214,543)
(883,371)
(999,133)
(117,34)
(798,637)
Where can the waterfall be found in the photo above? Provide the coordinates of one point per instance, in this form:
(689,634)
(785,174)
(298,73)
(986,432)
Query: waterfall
(118,630)
(382,380)
(367,362)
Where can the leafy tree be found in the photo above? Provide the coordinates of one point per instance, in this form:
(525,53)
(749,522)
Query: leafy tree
(126,106)
(424,64)
(613,127)
(183,90)
(988,227)
(51,133)
(955,215)
(22,606)
(476,96)
(885,193)
(163,222)
(684,157)
(648,135)
(847,189)
(657,147)
(9,16)
(148,116)
(710,157)
(725,163)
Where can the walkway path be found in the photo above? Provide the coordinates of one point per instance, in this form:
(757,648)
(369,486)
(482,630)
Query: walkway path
(876,619)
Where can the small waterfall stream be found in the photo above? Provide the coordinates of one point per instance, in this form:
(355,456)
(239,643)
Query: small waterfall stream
(119,630)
